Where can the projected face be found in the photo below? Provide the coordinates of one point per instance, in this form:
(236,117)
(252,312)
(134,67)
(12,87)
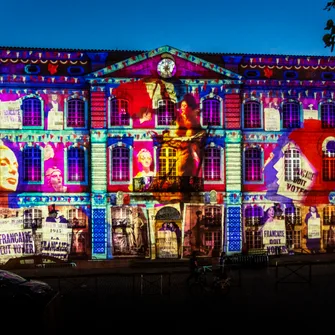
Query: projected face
(55,179)
(9,175)
(144,157)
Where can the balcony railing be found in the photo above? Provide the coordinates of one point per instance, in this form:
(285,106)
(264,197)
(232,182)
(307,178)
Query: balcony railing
(168,184)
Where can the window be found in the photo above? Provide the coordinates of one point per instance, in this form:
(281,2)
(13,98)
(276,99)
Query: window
(213,240)
(119,113)
(212,163)
(32,112)
(292,216)
(253,216)
(32,218)
(76,165)
(293,239)
(77,219)
(292,164)
(75,113)
(120,164)
(253,164)
(213,216)
(32,164)
(166,115)
(328,162)
(253,238)
(252,115)
(291,115)
(328,115)
(329,215)
(167,162)
(211,112)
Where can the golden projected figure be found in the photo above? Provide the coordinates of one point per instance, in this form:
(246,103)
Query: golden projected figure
(188,138)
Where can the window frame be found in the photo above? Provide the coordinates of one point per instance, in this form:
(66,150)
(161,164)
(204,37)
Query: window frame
(321,106)
(212,145)
(300,117)
(114,98)
(35,97)
(22,169)
(327,219)
(167,157)
(253,238)
(253,209)
(173,124)
(295,213)
(66,180)
(217,99)
(110,164)
(66,109)
(261,113)
(261,181)
(294,173)
(36,216)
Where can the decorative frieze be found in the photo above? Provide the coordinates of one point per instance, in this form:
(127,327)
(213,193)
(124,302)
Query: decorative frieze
(33,199)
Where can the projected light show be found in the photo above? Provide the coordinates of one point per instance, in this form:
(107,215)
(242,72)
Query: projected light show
(156,154)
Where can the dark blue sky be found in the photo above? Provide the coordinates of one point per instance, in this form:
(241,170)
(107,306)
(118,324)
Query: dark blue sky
(293,27)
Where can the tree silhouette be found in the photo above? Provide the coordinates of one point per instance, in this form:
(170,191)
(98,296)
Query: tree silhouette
(329,38)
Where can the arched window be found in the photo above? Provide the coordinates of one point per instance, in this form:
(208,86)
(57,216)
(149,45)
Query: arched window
(328,115)
(291,115)
(252,115)
(166,115)
(119,112)
(253,164)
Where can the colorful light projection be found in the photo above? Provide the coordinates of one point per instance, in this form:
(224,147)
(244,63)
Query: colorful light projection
(58,231)
(129,231)
(293,166)
(14,240)
(19,174)
(172,119)
(10,114)
(203,230)
(55,112)
(273,230)
(46,112)
(168,231)
(9,169)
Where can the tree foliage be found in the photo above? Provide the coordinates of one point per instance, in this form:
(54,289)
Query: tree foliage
(329,38)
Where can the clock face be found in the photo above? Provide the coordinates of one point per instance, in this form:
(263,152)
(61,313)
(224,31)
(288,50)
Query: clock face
(166,68)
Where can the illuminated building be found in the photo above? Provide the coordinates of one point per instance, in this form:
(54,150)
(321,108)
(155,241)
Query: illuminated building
(157,153)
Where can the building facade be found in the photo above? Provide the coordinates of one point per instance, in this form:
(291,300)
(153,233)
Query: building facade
(154,154)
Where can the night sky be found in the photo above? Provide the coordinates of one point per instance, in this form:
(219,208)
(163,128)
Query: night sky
(293,27)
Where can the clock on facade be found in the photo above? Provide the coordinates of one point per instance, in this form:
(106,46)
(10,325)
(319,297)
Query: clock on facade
(166,68)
